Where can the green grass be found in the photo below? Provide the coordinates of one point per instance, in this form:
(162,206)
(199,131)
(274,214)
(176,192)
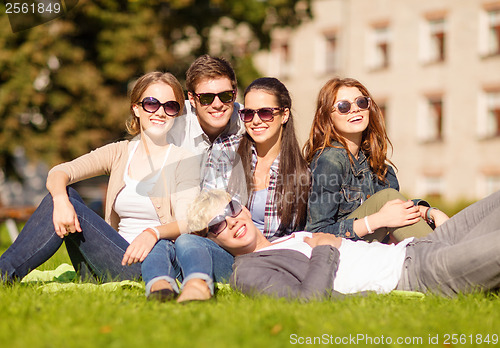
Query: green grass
(124,318)
(31,317)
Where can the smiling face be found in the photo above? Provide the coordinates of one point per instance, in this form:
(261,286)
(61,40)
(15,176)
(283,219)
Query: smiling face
(240,236)
(353,124)
(268,132)
(214,117)
(158,123)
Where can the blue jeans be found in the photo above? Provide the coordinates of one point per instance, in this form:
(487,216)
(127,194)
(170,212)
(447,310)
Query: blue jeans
(97,251)
(203,259)
(161,264)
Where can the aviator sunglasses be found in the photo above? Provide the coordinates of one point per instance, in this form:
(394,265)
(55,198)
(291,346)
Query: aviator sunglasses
(219,223)
(265,114)
(150,104)
(208,98)
(344,106)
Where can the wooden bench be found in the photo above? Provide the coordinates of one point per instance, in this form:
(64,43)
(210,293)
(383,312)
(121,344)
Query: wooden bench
(14,214)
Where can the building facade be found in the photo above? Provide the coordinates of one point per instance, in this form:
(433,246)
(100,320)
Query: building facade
(432,65)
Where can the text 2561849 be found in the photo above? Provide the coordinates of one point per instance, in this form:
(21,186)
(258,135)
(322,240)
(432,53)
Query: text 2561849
(32,7)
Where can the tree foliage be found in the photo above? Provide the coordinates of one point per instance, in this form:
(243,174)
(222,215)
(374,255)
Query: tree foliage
(63,84)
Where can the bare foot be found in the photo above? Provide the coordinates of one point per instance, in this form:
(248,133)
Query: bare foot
(162,291)
(195,290)
(160,285)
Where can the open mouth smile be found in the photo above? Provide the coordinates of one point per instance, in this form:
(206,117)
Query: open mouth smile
(157,122)
(217,114)
(241,232)
(355,119)
(258,129)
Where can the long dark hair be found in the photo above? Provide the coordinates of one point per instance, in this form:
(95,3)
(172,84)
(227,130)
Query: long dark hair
(293,174)
(375,142)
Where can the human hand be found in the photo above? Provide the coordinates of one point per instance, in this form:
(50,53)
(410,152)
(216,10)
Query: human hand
(422,209)
(64,217)
(139,248)
(398,213)
(438,216)
(320,238)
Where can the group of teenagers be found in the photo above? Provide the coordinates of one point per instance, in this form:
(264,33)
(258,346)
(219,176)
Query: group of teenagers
(209,190)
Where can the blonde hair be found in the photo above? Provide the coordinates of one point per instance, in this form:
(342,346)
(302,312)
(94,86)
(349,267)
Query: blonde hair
(133,124)
(204,208)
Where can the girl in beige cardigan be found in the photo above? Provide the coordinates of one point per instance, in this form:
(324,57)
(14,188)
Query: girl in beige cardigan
(150,185)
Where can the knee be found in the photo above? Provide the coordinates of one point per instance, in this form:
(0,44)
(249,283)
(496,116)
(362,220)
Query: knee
(73,194)
(190,243)
(186,239)
(389,194)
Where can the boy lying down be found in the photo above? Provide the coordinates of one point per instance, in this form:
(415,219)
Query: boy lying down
(461,255)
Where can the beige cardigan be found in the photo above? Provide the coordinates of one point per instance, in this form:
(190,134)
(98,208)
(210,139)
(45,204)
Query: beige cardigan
(176,188)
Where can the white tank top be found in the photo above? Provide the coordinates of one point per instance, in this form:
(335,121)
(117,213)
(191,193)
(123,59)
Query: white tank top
(133,205)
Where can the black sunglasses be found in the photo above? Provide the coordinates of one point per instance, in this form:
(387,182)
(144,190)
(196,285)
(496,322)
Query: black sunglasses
(219,223)
(150,104)
(265,114)
(344,106)
(208,98)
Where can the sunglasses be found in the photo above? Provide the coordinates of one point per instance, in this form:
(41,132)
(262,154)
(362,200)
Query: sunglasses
(344,106)
(219,223)
(208,98)
(265,114)
(150,104)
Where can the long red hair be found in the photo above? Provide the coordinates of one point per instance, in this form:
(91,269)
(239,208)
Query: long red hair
(375,142)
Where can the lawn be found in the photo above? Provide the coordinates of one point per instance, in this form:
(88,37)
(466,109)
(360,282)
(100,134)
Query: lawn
(32,316)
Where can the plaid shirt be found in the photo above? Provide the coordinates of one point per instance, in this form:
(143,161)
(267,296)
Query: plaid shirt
(223,161)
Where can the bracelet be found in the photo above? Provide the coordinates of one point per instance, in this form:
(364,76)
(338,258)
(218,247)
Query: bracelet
(428,215)
(156,231)
(153,232)
(368,226)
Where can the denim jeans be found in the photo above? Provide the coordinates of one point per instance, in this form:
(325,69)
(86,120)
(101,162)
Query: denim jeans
(161,264)
(96,251)
(461,255)
(203,259)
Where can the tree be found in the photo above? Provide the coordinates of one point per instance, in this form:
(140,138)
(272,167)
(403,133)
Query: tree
(64,83)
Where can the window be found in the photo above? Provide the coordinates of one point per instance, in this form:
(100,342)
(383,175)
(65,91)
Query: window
(326,57)
(434,40)
(488,179)
(380,47)
(494,32)
(489,39)
(493,100)
(281,58)
(431,186)
(382,104)
(331,59)
(430,119)
(489,114)
(492,184)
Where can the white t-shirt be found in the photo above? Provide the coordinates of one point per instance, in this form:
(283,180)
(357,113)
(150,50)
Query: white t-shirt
(363,266)
(133,205)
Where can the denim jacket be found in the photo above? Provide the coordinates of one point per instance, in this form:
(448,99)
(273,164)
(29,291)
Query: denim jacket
(338,188)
